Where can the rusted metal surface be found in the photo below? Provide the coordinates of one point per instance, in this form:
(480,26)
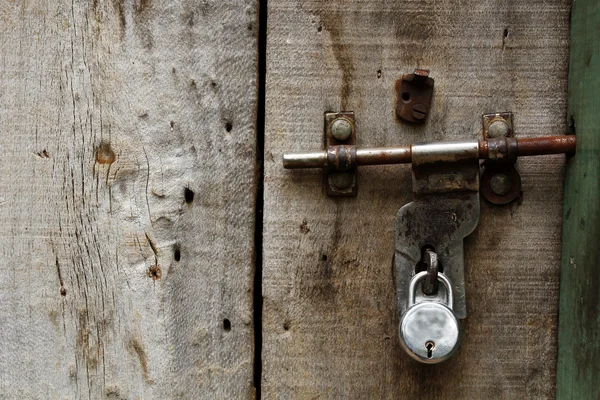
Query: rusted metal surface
(445,210)
(546,145)
(442,167)
(431,172)
(384,155)
(497,148)
(500,180)
(340,156)
(497,125)
(500,185)
(430,284)
(441,221)
(414,93)
(502,149)
(537,146)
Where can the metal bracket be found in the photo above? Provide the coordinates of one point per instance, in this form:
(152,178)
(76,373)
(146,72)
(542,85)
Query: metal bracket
(429,231)
(340,142)
(444,212)
(414,93)
(500,181)
(498,125)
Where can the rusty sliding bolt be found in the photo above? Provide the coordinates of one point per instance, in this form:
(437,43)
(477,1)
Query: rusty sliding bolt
(493,148)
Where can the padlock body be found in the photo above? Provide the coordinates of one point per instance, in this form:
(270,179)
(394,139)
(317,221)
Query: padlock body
(430,332)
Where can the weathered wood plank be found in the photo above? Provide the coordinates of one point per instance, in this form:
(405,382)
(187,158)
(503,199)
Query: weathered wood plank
(578,374)
(330,325)
(127,198)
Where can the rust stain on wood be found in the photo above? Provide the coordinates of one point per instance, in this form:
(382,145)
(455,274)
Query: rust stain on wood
(333,23)
(154,272)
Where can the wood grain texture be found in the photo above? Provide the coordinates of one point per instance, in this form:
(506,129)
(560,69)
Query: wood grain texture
(578,371)
(127,187)
(330,323)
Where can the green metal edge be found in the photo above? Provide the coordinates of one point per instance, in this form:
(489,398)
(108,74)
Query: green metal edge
(578,369)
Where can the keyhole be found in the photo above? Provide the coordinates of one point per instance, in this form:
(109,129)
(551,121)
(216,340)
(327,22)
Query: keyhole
(430,346)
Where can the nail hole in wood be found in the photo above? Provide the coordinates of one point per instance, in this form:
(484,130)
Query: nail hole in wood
(323,257)
(154,272)
(226,325)
(176,253)
(228,126)
(189,195)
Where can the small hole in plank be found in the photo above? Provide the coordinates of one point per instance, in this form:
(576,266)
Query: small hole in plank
(323,257)
(154,272)
(189,195)
(319,28)
(286,326)
(177,253)
(406,96)
(228,126)
(226,325)
(505,33)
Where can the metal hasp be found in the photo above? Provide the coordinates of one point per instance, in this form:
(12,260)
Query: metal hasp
(414,93)
(444,212)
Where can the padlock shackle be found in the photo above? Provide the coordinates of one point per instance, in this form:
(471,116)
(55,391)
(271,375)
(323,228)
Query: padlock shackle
(412,289)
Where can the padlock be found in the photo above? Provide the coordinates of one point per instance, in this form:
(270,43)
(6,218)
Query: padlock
(429,330)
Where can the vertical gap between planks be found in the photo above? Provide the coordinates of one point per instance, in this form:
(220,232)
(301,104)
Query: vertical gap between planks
(258,230)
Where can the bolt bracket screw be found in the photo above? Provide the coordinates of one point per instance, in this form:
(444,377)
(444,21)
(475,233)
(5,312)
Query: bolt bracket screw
(341,129)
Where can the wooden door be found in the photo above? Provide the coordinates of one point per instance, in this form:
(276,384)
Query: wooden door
(154,247)
(330,325)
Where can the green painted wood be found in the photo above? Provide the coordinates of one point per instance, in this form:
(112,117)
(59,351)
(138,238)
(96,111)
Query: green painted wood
(578,371)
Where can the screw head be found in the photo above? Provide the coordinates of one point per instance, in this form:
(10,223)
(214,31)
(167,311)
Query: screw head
(500,184)
(498,128)
(342,180)
(341,129)
(419,112)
